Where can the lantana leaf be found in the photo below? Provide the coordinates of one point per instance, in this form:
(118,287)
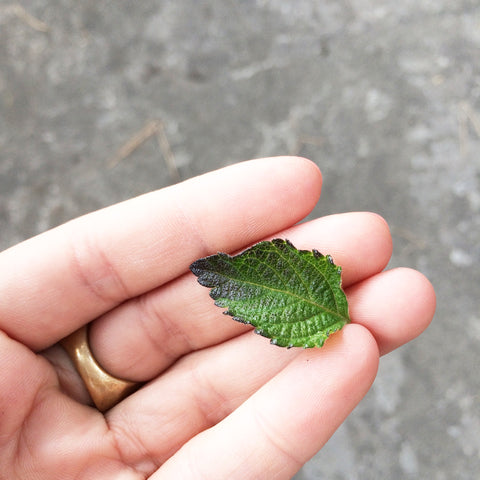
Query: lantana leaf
(294,297)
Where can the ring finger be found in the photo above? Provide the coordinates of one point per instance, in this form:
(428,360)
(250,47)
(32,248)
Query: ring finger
(205,387)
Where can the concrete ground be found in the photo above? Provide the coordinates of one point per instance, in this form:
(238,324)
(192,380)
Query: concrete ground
(383,95)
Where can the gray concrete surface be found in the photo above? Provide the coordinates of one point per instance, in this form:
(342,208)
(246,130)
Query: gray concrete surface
(383,95)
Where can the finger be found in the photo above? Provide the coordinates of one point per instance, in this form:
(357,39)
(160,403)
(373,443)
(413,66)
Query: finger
(287,421)
(60,280)
(396,306)
(144,336)
(204,387)
(194,394)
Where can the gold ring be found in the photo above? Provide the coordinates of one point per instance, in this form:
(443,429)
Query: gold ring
(104,389)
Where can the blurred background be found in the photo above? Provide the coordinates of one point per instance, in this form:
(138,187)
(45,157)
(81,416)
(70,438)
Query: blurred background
(104,100)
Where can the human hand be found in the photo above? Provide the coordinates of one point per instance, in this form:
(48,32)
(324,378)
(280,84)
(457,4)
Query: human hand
(219,402)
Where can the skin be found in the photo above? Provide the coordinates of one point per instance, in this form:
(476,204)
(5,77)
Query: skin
(219,402)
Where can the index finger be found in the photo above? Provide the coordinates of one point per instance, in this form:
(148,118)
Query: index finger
(58,281)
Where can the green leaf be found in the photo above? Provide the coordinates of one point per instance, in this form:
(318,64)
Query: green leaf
(294,297)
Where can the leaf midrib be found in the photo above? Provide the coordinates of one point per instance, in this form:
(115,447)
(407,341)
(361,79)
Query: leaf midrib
(291,294)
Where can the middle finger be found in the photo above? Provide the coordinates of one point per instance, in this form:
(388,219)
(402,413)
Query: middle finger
(143,336)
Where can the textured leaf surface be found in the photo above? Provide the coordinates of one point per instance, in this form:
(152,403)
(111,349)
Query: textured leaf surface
(294,297)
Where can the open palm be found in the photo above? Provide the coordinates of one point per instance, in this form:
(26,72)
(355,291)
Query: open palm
(217,401)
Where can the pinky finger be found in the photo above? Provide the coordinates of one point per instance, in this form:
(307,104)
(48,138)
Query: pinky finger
(288,420)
